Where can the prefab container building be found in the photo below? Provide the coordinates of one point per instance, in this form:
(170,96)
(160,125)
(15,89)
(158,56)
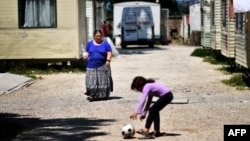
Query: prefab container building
(242,13)
(195,24)
(215,31)
(164,26)
(39,30)
(205,23)
(184,29)
(228,29)
(90,18)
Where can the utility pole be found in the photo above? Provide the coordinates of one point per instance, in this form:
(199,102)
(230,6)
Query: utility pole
(94,13)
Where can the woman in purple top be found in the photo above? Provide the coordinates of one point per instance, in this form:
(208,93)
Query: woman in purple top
(149,88)
(98,78)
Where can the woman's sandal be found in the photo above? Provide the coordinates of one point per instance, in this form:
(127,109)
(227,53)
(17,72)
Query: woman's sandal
(151,134)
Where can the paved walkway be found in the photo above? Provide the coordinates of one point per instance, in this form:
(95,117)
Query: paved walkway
(11,82)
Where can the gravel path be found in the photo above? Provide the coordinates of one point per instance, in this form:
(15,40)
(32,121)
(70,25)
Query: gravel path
(55,107)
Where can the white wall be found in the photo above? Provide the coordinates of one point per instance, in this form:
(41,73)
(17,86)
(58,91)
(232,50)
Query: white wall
(195,17)
(184,28)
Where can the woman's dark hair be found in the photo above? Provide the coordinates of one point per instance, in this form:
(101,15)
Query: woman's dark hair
(97,31)
(139,82)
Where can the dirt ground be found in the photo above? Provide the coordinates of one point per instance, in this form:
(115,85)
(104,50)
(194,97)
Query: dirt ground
(55,107)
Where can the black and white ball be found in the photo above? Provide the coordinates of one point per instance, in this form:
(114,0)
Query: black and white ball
(128,131)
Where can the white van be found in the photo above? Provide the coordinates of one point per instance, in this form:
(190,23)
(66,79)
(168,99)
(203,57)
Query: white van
(137,26)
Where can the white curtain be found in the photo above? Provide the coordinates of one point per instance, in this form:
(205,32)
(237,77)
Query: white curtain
(39,13)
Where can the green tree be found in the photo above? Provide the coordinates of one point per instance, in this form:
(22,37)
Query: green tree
(171,5)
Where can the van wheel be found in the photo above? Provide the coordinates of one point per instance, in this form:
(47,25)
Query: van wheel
(124,45)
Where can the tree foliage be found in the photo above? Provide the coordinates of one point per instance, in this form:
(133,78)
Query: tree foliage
(171,5)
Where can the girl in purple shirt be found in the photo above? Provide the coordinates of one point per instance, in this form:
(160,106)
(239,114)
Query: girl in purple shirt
(149,88)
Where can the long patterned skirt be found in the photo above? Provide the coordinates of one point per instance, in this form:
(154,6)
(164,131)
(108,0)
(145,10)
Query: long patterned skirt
(99,82)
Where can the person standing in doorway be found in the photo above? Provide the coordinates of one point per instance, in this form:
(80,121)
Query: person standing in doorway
(105,29)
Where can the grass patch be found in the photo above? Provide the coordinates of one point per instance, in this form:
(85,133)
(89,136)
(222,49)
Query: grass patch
(227,69)
(34,70)
(236,81)
(201,52)
(216,58)
(209,56)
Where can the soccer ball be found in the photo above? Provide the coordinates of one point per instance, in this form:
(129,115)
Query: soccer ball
(128,131)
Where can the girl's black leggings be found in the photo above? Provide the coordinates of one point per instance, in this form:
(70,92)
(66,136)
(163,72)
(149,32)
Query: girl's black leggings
(154,111)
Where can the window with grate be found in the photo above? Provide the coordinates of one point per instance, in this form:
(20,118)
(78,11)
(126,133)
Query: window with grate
(224,13)
(240,23)
(212,13)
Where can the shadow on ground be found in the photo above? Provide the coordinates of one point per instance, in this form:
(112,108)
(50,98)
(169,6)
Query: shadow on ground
(137,50)
(19,127)
(171,134)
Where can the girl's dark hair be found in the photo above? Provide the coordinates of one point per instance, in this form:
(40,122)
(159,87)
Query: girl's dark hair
(97,31)
(139,81)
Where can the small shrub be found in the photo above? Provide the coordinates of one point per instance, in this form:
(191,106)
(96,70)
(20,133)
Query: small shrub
(227,69)
(209,56)
(201,52)
(236,81)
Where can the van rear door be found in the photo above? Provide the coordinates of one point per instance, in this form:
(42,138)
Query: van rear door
(145,23)
(130,24)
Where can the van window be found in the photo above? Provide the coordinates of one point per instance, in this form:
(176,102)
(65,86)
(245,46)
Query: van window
(130,18)
(144,17)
